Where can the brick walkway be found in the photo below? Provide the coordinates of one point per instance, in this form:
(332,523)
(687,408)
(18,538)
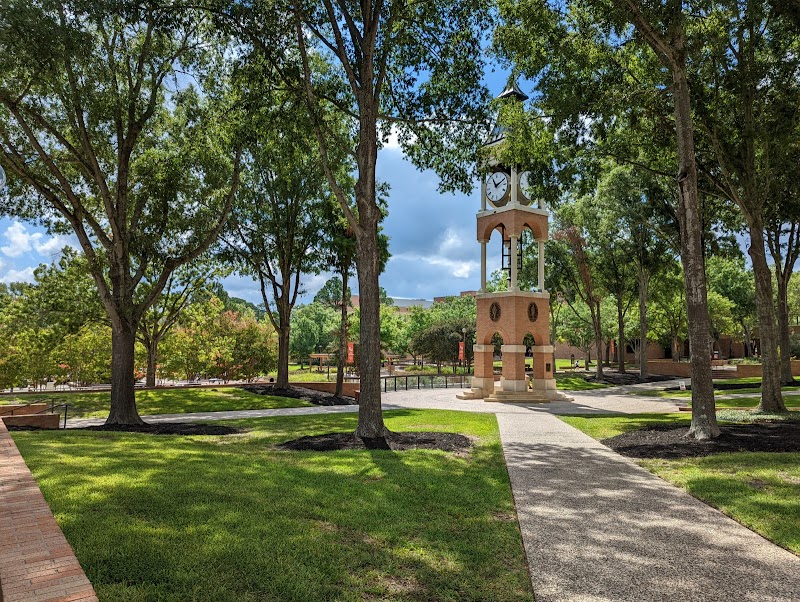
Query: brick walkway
(36,562)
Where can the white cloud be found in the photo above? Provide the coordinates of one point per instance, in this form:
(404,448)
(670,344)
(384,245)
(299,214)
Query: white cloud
(20,241)
(52,244)
(392,141)
(25,275)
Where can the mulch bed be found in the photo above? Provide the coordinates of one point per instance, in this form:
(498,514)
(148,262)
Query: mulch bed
(168,428)
(669,442)
(319,398)
(449,442)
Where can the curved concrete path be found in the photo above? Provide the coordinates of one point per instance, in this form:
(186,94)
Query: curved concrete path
(596,526)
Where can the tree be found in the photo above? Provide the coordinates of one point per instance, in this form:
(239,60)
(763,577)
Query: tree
(582,283)
(103,131)
(669,309)
(340,248)
(181,286)
(313,329)
(593,75)
(412,67)
(745,126)
(274,234)
(731,279)
(783,241)
(188,349)
(85,357)
(609,236)
(626,219)
(336,295)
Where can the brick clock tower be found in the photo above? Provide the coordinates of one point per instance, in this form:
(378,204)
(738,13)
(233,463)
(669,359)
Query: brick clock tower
(513,314)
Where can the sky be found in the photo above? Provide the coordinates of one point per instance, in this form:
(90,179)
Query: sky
(432,240)
(432,237)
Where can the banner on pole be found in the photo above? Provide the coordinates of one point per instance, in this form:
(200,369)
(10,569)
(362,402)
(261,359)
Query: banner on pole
(461,350)
(351,353)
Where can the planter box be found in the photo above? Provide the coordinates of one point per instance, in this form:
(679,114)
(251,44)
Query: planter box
(43,421)
(12,409)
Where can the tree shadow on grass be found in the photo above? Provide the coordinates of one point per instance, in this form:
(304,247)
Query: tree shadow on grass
(226,519)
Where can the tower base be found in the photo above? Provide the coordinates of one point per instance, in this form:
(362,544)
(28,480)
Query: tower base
(543,391)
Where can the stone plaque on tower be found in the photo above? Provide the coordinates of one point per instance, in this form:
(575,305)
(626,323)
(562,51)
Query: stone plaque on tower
(517,315)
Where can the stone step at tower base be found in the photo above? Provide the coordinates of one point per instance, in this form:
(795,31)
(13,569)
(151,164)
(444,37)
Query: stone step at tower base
(530,396)
(527,396)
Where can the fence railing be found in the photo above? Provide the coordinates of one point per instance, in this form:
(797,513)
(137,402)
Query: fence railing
(422,381)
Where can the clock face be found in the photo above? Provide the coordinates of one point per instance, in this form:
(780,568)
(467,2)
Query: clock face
(525,184)
(497,186)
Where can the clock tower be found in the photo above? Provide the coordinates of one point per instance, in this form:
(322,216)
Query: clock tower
(517,315)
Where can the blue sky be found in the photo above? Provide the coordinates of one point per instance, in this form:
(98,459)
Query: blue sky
(432,236)
(432,240)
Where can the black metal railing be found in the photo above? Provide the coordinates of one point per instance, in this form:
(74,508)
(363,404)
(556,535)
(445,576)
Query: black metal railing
(422,381)
(52,408)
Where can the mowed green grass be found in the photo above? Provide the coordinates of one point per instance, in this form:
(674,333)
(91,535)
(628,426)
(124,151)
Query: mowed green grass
(759,490)
(572,382)
(791,401)
(230,518)
(162,401)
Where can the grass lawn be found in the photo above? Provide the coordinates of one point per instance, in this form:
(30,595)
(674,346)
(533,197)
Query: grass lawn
(162,401)
(791,401)
(569,381)
(759,490)
(228,518)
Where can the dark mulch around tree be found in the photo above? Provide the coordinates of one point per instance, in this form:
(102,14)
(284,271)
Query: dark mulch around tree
(319,398)
(629,378)
(168,428)
(668,442)
(449,442)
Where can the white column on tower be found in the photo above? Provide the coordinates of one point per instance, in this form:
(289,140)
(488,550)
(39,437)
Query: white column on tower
(514,187)
(513,260)
(541,266)
(483,266)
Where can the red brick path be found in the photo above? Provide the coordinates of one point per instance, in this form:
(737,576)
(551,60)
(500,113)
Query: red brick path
(36,562)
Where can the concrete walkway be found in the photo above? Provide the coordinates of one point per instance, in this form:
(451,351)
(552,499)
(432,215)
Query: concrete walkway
(597,527)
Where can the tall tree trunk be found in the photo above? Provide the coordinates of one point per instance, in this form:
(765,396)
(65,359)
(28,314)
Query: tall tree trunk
(123,396)
(644,284)
(771,398)
(340,362)
(784,337)
(671,51)
(282,381)
(152,362)
(704,417)
(598,339)
(370,416)
(621,346)
(748,340)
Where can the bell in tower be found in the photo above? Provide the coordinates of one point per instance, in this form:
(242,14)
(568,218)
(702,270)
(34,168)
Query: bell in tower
(517,315)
